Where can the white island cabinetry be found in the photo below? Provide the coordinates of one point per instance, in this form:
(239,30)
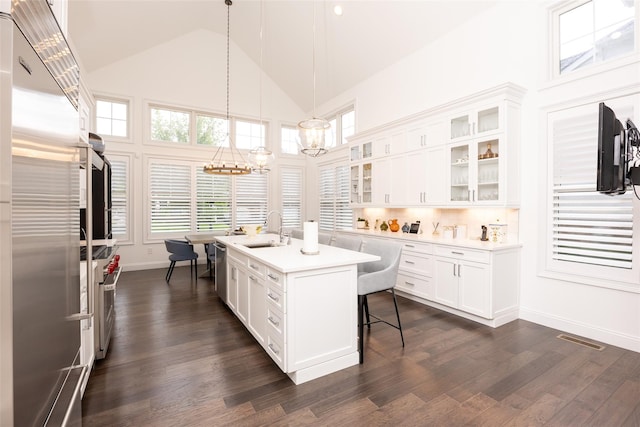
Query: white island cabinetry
(302,309)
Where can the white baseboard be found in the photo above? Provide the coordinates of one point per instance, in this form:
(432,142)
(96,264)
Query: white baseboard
(618,339)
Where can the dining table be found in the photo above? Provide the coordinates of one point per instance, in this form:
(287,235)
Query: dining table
(205,239)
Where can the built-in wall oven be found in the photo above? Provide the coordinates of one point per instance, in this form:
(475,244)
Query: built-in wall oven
(108,270)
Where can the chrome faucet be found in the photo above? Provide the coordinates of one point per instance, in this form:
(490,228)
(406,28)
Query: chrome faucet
(280,234)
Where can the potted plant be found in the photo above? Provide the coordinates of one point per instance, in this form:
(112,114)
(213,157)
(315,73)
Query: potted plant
(362,223)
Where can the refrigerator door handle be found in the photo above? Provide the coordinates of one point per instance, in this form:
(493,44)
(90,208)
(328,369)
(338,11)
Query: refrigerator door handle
(79,316)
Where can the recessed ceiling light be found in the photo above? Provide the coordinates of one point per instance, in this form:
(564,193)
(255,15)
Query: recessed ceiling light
(337,9)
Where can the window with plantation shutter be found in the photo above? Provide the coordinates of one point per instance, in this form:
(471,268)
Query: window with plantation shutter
(213,202)
(291,188)
(251,199)
(169,197)
(591,233)
(335,212)
(120,197)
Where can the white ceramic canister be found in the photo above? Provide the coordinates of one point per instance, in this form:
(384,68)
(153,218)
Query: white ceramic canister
(461,231)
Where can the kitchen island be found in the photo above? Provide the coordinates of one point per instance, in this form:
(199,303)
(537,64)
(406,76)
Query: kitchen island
(302,309)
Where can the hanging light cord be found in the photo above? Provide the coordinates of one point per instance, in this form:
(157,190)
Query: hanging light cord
(314,59)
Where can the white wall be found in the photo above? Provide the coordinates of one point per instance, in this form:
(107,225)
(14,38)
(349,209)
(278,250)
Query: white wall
(189,71)
(507,43)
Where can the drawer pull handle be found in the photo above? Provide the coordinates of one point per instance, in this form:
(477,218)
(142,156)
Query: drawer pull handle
(275,298)
(457,253)
(272,277)
(273,321)
(276,351)
(409,262)
(409,283)
(255,267)
(410,246)
(253,279)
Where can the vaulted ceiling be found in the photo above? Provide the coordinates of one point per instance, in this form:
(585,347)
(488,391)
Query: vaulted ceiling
(369,36)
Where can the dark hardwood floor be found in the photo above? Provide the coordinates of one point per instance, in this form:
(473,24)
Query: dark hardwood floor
(178,357)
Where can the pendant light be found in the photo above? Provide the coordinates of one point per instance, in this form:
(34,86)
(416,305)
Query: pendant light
(261,156)
(234,163)
(312,131)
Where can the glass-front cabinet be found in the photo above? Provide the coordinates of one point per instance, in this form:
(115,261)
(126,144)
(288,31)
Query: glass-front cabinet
(475,172)
(362,151)
(474,123)
(360,183)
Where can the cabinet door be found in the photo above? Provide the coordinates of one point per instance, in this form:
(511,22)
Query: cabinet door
(488,170)
(398,180)
(355,185)
(446,281)
(474,123)
(367,183)
(436,176)
(460,173)
(417,177)
(257,309)
(232,286)
(475,288)
(381,181)
(242,306)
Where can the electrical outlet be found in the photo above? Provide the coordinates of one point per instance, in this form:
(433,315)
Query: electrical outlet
(149,251)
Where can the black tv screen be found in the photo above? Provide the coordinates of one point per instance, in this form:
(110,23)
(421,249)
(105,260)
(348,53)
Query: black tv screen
(612,155)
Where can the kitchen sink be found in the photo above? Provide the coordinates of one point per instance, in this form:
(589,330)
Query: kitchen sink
(261,245)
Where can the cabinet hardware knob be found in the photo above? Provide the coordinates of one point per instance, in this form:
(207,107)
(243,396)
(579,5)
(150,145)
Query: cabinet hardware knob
(273,321)
(409,262)
(409,283)
(272,277)
(457,253)
(275,298)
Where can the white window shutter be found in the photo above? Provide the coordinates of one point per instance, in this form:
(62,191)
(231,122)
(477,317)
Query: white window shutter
(291,187)
(170,197)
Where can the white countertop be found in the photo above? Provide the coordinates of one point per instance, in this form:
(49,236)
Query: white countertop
(438,240)
(102,242)
(289,259)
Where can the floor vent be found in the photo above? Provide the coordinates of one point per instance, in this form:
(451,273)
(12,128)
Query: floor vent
(581,342)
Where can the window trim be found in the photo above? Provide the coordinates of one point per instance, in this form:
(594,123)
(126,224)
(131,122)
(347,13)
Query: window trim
(554,77)
(591,275)
(280,151)
(127,159)
(99,96)
(337,115)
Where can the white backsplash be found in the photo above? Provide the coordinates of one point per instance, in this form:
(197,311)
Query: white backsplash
(473,218)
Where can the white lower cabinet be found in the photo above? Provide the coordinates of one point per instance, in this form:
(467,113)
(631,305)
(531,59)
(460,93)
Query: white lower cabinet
(318,303)
(478,284)
(464,285)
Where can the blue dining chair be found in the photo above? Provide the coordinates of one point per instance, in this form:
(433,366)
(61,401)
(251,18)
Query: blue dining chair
(180,250)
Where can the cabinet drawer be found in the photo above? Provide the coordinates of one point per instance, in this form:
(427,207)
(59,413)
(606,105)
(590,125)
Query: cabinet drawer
(425,248)
(274,296)
(419,286)
(275,349)
(416,263)
(256,267)
(275,278)
(463,254)
(275,322)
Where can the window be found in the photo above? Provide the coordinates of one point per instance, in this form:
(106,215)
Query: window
(170,197)
(112,117)
(169,125)
(335,212)
(214,202)
(289,140)
(211,130)
(120,211)
(185,126)
(251,199)
(183,199)
(291,190)
(249,135)
(593,32)
(343,125)
(591,234)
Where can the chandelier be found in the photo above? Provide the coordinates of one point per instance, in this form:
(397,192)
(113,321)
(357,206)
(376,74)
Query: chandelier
(312,131)
(234,162)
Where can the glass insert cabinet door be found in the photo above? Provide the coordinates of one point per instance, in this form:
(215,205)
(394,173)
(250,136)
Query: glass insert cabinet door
(488,170)
(366,182)
(355,184)
(459,174)
(475,123)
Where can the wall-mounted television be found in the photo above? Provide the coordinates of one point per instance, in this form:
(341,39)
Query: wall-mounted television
(612,153)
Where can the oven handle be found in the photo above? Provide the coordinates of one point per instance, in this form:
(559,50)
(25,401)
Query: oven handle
(112,286)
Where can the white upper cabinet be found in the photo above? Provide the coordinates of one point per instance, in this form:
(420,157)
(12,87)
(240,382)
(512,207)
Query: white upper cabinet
(462,153)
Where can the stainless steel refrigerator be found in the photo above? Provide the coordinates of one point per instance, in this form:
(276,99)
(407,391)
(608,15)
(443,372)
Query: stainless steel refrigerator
(40,374)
